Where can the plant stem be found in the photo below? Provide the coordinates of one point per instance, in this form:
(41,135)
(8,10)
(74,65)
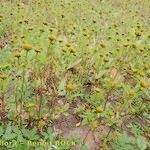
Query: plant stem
(84,140)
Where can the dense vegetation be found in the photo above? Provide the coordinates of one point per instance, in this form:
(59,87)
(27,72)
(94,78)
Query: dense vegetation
(75,69)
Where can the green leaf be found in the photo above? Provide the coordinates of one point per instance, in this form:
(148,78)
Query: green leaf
(141,142)
(124,143)
(30,134)
(61,88)
(17,131)
(20,138)
(9,135)
(74,64)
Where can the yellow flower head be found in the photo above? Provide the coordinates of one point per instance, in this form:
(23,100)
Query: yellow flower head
(73,50)
(71,87)
(144,84)
(64,49)
(3,76)
(111,113)
(38,50)
(94,125)
(138,33)
(126,44)
(30,105)
(17,54)
(97,89)
(103,45)
(27,47)
(68,44)
(41,124)
(132,93)
(52,38)
(141,73)
(99,109)
(142,49)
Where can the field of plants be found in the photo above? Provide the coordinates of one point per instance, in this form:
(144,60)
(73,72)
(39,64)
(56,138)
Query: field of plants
(74,73)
